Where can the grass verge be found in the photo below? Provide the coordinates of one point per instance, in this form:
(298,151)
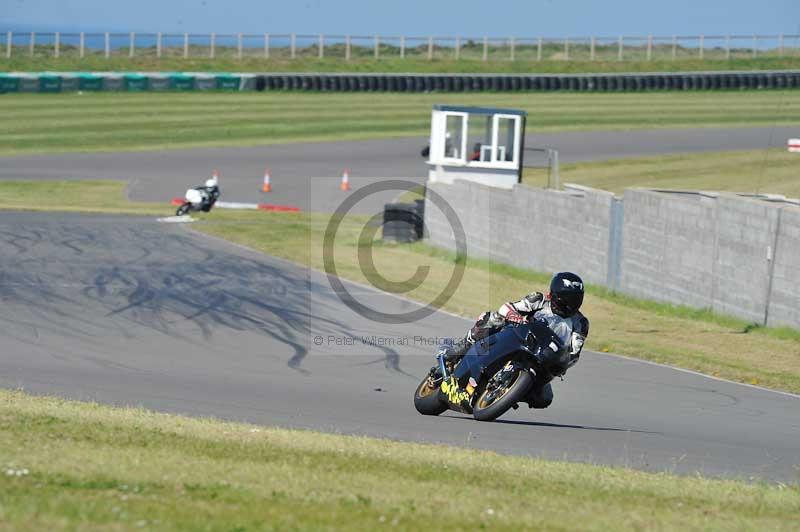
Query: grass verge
(70,465)
(689,338)
(525,63)
(774,171)
(43,123)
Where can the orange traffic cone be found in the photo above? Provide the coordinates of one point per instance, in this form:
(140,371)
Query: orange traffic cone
(345,185)
(266,187)
(215,176)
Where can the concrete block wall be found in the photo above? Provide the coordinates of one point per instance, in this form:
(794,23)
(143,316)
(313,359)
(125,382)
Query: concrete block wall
(784,301)
(735,255)
(668,248)
(543,230)
(745,239)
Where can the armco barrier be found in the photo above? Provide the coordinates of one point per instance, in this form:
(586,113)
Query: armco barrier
(181,81)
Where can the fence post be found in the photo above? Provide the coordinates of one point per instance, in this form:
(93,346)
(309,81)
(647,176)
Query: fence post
(619,48)
(674,47)
(239,46)
(591,49)
(485,48)
(512,43)
(185,45)
(58,42)
(132,45)
(727,47)
(402,47)
(82,45)
(9,38)
(566,48)
(458,48)
(377,46)
(430,48)
(347,47)
(780,45)
(649,47)
(32,43)
(107,45)
(266,46)
(539,49)
(321,46)
(158,45)
(755,46)
(702,45)
(212,46)
(293,46)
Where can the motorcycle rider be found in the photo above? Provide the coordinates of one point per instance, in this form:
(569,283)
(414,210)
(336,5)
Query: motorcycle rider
(210,192)
(559,308)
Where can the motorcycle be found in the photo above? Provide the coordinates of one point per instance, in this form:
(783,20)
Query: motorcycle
(198,200)
(497,372)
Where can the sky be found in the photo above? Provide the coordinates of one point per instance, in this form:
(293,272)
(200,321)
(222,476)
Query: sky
(531,18)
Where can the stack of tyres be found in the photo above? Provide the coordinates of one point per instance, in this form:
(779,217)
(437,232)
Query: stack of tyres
(403,222)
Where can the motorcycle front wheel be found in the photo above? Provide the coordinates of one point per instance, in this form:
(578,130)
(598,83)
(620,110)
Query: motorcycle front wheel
(426,398)
(500,393)
(183,209)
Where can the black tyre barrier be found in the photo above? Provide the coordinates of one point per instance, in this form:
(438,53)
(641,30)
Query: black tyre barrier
(261,83)
(570,84)
(513,83)
(403,222)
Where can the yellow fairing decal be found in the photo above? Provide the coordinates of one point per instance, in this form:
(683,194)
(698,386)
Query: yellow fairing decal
(454,394)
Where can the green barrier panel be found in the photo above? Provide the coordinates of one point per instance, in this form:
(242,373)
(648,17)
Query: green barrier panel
(49,83)
(158,83)
(228,83)
(9,84)
(181,83)
(205,83)
(88,82)
(136,83)
(69,84)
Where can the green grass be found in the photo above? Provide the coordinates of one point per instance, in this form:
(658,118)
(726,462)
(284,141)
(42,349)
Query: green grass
(773,171)
(43,123)
(83,196)
(695,339)
(471,62)
(80,466)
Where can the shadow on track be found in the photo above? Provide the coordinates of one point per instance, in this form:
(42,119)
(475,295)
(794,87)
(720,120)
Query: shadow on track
(553,425)
(82,278)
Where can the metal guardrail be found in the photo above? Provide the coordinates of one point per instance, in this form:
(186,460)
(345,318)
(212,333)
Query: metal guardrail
(291,46)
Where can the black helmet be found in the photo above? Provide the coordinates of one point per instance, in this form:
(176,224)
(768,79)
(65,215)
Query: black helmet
(566,294)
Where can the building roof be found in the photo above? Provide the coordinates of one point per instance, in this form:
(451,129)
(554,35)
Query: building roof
(479,110)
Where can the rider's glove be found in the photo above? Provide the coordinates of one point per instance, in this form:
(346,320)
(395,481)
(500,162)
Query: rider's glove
(515,317)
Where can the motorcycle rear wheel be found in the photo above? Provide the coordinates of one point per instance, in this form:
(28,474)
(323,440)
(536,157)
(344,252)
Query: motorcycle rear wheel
(183,209)
(492,403)
(427,400)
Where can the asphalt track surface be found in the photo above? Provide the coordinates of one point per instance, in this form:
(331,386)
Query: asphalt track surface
(308,175)
(130,311)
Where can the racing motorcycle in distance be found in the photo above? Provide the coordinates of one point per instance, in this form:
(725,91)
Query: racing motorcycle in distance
(495,374)
(199,199)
